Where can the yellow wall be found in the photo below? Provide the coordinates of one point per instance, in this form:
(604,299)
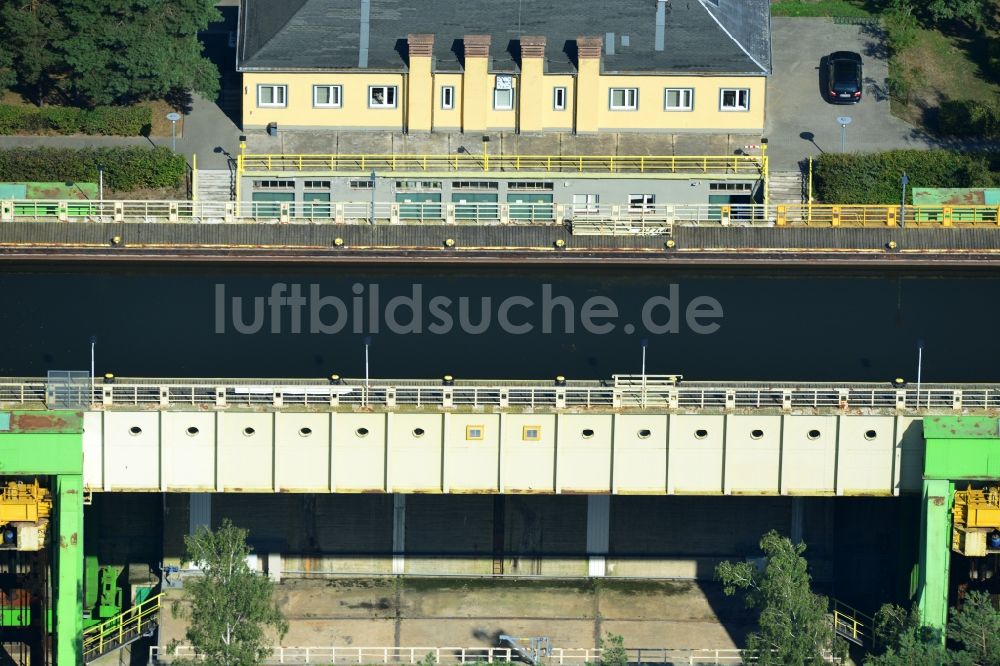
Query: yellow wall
(706,114)
(587,103)
(299,110)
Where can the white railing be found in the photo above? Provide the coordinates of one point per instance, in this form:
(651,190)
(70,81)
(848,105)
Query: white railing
(603,219)
(470,655)
(660,394)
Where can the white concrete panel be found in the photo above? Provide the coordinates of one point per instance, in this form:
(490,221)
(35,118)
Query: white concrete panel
(132,446)
(809,449)
(93,450)
(695,453)
(471,464)
(246,452)
(753,454)
(302,452)
(188,455)
(414,452)
(865,455)
(526,464)
(358,452)
(909,472)
(640,454)
(583,453)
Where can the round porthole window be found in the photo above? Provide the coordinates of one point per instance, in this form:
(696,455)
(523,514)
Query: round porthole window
(644,434)
(757,434)
(192,431)
(135,431)
(361,432)
(248,432)
(870,435)
(813,434)
(701,433)
(305,432)
(418,432)
(587,433)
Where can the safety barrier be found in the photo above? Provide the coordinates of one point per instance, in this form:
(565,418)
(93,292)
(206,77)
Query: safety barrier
(119,631)
(391,393)
(584,219)
(851,624)
(471,655)
(484,162)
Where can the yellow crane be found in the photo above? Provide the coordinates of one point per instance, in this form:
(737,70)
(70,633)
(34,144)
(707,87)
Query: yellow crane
(976,521)
(25,509)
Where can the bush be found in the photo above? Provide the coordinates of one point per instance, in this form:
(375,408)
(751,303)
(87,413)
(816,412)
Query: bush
(124,168)
(109,120)
(874,178)
(969,118)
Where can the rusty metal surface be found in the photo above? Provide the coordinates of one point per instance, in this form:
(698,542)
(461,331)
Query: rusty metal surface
(26,422)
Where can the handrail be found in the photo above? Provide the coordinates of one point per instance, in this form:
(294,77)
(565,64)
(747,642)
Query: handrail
(161,393)
(483,162)
(852,624)
(121,629)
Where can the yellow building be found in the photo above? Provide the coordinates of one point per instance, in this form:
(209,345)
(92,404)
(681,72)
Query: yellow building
(505,65)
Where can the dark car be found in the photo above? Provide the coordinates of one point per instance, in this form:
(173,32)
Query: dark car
(843,80)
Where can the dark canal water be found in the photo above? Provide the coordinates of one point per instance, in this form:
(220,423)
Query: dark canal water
(788,325)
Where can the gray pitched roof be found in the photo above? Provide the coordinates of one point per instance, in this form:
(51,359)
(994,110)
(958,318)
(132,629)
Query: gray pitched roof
(710,36)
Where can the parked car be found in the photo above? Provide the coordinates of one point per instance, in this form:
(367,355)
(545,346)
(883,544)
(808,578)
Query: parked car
(844,77)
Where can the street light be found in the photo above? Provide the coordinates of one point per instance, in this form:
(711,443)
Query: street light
(100,180)
(173,117)
(93,343)
(844,122)
(371,220)
(902,202)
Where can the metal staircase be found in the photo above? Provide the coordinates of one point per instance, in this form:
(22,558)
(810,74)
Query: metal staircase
(851,624)
(137,622)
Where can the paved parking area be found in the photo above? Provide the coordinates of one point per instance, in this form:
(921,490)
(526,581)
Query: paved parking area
(800,122)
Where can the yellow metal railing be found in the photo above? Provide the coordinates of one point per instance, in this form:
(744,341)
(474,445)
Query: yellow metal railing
(749,165)
(863,215)
(121,629)
(852,624)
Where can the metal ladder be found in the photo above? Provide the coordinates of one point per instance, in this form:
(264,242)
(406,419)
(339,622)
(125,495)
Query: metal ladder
(135,623)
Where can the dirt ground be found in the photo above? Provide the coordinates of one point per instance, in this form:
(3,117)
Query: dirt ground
(435,612)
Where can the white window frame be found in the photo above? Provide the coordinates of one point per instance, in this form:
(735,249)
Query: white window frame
(499,107)
(385,91)
(275,87)
(557,103)
(684,92)
(591,203)
(336,91)
(739,91)
(641,203)
(447,97)
(629,92)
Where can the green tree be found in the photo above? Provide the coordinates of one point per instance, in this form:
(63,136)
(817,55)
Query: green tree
(793,628)
(126,50)
(976,625)
(915,646)
(30,31)
(230,606)
(613,652)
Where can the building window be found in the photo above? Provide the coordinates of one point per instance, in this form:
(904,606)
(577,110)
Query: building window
(448,97)
(381,97)
(586,203)
(474,433)
(678,99)
(730,187)
(475,185)
(503,99)
(624,99)
(316,184)
(529,185)
(559,99)
(641,203)
(271,95)
(362,184)
(327,97)
(274,184)
(734,99)
(418,184)
(531,433)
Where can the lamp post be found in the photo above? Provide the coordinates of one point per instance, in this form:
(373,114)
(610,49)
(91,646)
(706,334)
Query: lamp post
(844,121)
(173,117)
(644,343)
(371,219)
(920,367)
(902,202)
(93,344)
(368,342)
(100,181)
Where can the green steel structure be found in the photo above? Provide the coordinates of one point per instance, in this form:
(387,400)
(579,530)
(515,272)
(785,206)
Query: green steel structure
(50,444)
(957,448)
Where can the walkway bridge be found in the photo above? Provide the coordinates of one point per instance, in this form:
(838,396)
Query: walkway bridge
(628,435)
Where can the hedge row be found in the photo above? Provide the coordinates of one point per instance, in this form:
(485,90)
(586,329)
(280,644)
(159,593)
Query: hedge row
(970,118)
(875,178)
(124,168)
(110,120)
